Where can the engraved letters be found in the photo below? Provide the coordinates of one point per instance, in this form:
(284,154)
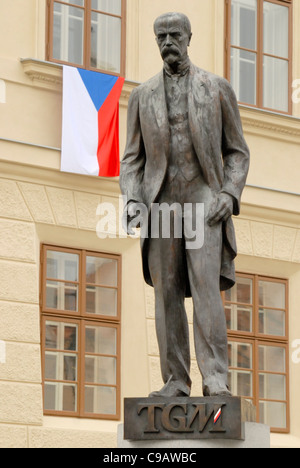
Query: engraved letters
(217,417)
(182,418)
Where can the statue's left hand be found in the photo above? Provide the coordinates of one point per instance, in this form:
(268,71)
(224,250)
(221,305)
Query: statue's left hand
(221,210)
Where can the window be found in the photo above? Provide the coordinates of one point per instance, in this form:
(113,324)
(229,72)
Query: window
(258,52)
(88,34)
(257,323)
(80,305)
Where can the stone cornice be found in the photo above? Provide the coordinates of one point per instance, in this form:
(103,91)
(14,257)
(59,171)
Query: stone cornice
(44,74)
(270,124)
(48,75)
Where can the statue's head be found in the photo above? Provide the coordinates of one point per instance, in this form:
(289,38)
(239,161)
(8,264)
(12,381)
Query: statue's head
(173,35)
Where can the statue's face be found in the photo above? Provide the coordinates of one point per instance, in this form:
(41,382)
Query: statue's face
(172,38)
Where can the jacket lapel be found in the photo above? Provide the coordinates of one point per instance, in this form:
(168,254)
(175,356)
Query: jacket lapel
(201,122)
(196,104)
(161,113)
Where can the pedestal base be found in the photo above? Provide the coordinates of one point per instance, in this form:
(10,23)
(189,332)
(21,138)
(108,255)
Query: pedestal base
(160,418)
(184,422)
(256,436)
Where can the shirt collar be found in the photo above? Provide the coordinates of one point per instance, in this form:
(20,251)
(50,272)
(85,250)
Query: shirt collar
(182,69)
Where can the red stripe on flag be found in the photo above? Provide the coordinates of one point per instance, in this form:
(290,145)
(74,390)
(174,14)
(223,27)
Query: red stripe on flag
(108,124)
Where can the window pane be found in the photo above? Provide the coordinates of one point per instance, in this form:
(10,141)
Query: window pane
(272,413)
(70,337)
(102,271)
(100,400)
(101,301)
(101,340)
(272,386)
(62,266)
(62,336)
(272,294)
(276,30)
(68,30)
(60,366)
(243,75)
(105,42)
(240,383)
(69,397)
(243,23)
(272,322)
(52,335)
(60,396)
(238,317)
(70,367)
(271,358)
(276,78)
(50,391)
(51,365)
(241,292)
(101,370)
(107,6)
(61,296)
(240,355)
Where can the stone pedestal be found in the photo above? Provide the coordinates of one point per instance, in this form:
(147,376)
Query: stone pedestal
(256,436)
(204,422)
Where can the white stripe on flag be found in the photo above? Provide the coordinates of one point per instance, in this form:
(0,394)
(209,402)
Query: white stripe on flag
(79,128)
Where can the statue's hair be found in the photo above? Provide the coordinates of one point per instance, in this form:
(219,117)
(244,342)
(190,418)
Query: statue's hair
(182,16)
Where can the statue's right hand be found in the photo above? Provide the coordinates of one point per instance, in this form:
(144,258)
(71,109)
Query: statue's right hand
(131,218)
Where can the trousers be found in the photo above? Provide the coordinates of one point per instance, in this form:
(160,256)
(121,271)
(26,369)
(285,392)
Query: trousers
(171,265)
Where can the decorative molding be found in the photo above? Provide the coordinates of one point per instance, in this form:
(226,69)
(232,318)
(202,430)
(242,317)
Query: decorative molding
(267,240)
(10,170)
(44,74)
(49,75)
(270,124)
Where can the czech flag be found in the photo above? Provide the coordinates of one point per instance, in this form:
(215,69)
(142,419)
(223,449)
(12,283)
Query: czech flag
(90,129)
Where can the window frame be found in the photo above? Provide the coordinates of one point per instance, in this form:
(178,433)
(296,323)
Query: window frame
(256,339)
(81,319)
(87,8)
(260,53)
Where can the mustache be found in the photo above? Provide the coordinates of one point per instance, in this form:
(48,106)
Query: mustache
(166,50)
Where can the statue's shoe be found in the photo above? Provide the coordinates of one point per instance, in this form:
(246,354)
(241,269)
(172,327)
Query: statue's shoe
(215,390)
(172,389)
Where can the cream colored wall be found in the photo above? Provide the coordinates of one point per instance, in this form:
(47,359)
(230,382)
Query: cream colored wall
(40,204)
(35,209)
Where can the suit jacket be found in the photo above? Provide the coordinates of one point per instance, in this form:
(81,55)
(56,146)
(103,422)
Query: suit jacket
(218,140)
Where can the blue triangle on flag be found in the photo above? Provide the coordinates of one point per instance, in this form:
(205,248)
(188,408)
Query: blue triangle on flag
(99,85)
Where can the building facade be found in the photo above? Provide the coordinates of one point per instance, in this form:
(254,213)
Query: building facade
(77,331)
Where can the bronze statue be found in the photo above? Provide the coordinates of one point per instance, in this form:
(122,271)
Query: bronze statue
(185,145)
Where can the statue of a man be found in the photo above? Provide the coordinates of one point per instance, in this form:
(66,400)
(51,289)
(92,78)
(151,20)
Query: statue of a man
(185,145)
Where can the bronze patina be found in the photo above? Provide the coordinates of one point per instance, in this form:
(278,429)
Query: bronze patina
(185,146)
